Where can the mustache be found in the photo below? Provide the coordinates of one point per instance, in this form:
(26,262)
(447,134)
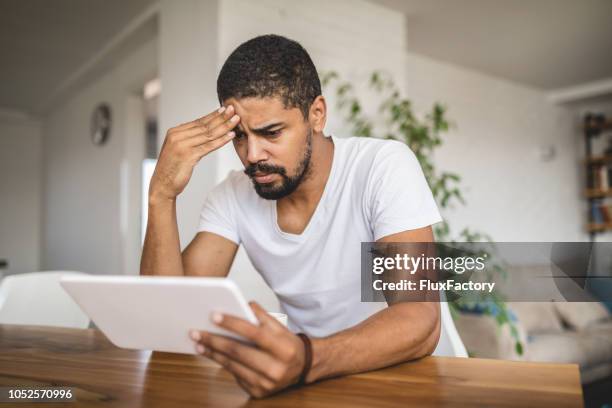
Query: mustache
(265,168)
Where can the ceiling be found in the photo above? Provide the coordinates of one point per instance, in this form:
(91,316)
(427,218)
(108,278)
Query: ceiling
(547,44)
(43,42)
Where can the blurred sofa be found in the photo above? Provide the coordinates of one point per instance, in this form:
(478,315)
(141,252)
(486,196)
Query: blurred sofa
(559,332)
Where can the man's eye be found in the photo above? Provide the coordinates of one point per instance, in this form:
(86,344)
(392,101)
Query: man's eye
(274,133)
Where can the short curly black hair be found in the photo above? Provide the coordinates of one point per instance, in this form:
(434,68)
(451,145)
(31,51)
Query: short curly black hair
(270,66)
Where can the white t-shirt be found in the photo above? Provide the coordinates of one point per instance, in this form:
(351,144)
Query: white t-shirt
(376,188)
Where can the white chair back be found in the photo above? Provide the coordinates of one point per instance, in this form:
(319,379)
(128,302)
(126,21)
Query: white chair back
(450,344)
(38,299)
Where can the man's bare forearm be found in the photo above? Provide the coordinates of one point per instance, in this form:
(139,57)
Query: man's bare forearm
(184,146)
(161,253)
(402,332)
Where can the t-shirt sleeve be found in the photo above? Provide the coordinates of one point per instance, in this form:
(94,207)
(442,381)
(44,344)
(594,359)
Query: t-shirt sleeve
(399,197)
(218,212)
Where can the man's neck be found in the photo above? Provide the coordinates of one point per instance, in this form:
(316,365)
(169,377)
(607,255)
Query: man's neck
(311,189)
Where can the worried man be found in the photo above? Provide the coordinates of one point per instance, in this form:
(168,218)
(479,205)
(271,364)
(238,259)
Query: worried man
(301,209)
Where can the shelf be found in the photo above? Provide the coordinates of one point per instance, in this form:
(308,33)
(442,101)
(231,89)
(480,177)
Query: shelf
(598,128)
(599,227)
(599,160)
(597,193)
(597,168)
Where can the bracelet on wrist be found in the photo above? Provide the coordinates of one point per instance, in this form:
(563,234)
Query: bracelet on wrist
(307,358)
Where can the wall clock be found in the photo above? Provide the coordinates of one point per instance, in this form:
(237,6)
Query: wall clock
(101,120)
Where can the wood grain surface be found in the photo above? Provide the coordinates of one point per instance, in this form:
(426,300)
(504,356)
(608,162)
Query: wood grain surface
(105,376)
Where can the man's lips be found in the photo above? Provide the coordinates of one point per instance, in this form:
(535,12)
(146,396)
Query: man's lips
(264,178)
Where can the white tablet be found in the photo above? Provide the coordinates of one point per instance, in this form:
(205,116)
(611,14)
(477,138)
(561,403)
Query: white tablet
(155,312)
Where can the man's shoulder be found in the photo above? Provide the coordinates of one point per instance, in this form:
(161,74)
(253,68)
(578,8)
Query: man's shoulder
(372,149)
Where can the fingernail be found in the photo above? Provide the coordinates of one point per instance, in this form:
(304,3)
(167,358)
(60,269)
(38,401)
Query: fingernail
(216,317)
(230,109)
(231,133)
(195,335)
(234,118)
(221,109)
(200,348)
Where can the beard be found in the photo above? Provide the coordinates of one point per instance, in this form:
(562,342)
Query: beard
(288,184)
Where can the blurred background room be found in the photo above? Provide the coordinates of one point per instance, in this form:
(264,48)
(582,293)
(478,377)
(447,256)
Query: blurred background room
(88,89)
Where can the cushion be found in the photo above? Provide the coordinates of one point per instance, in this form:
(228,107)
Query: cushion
(580,315)
(557,348)
(584,348)
(537,316)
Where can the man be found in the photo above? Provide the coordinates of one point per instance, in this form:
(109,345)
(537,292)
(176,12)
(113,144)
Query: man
(301,208)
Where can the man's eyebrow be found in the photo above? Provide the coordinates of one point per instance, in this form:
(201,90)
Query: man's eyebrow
(267,128)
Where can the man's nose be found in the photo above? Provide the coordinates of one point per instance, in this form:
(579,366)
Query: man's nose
(255,150)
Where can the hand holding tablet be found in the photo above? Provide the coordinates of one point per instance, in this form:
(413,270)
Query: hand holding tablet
(157,313)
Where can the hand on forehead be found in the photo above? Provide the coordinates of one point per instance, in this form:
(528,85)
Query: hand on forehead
(261,113)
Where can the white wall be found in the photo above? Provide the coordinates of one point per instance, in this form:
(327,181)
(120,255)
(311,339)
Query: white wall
(20,192)
(82,182)
(500,126)
(188,72)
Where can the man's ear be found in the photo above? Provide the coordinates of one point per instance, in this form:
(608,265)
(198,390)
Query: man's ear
(318,114)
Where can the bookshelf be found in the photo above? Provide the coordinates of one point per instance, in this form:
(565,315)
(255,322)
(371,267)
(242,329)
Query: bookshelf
(594,228)
(599,159)
(598,176)
(597,193)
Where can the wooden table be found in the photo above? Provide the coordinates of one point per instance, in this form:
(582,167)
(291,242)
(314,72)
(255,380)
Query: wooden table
(103,375)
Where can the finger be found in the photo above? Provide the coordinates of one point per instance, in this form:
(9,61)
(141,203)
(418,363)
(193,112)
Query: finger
(196,127)
(251,381)
(202,119)
(249,356)
(215,121)
(265,319)
(244,373)
(212,145)
(248,388)
(204,134)
(280,347)
(253,391)
(259,335)
(224,127)
(207,134)
(199,138)
(189,133)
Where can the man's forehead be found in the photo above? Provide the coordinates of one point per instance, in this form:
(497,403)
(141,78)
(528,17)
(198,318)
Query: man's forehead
(257,113)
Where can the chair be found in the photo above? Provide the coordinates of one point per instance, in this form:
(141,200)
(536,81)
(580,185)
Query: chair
(450,344)
(38,299)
